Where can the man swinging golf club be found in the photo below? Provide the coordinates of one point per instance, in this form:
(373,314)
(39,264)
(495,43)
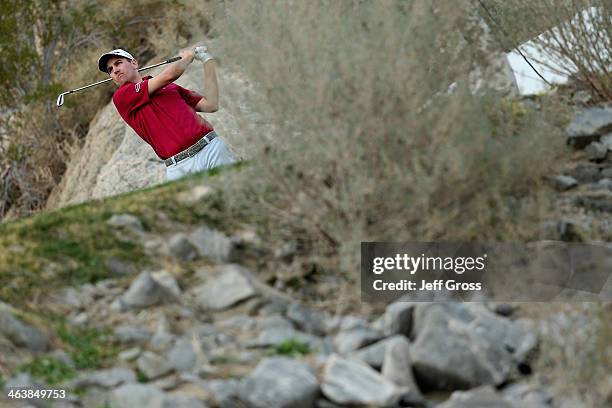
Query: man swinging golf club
(164,114)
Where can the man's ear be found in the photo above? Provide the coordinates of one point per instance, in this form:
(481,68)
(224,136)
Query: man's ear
(135,63)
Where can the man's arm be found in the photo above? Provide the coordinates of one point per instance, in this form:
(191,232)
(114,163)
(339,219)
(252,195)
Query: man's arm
(172,72)
(210,101)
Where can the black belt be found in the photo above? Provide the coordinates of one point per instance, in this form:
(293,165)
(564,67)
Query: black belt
(191,150)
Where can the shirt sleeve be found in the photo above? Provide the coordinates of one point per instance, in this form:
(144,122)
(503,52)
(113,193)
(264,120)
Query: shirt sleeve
(131,97)
(191,97)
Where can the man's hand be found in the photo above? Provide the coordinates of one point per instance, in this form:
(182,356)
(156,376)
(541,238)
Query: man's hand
(187,54)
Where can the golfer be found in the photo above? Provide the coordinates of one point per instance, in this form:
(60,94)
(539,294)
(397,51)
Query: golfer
(164,114)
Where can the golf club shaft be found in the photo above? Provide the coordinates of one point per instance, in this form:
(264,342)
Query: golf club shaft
(141,69)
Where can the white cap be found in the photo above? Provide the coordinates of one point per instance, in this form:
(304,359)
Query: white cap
(114,53)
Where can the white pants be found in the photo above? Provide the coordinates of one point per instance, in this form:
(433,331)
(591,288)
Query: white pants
(216,153)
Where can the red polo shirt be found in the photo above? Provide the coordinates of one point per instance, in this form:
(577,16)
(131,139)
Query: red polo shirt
(166,120)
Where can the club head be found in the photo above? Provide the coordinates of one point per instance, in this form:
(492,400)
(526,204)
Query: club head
(60,99)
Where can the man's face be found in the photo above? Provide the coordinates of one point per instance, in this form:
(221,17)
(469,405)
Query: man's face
(122,70)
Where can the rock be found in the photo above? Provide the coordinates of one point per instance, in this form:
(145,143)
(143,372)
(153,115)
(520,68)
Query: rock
(117,267)
(21,334)
(182,401)
(607,172)
(352,382)
(182,357)
(168,282)
(213,245)
(225,392)
(353,322)
(374,354)
(132,334)
(564,183)
(137,395)
(398,319)
(596,151)
(483,397)
(232,285)
(276,335)
(280,382)
(126,222)
(606,140)
(144,292)
(351,340)
(585,173)
(274,321)
(63,357)
(181,248)
(527,396)
(109,378)
(596,201)
(153,366)
(589,125)
(459,346)
(310,321)
(195,195)
(397,368)
(80,319)
(130,354)
(240,322)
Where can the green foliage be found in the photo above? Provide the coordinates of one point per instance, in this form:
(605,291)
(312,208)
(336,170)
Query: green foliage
(88,347)
(49,369)
(292,348)
(141,377)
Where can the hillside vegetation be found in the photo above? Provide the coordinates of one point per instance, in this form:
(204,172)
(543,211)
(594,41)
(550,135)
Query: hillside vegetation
(377,138)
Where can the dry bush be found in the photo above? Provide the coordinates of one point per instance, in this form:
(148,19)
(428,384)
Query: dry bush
(576,38)
(377,149)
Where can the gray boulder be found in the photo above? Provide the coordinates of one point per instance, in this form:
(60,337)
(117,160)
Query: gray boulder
(596,151)
(461,346)
(276,335)
(180,247)
(132,334)
(182,357)
(109,378)
(397,367)
(350,340)
(606,140)
(137,395)
(483,397)
(153,366)
(525,395)
(398,318)
(353,382)
(589,125)
(280,382)
(374,354)
(213,245)
(20,333)
(308,320)
(585,173)
(232,285)
(563,183)
(144,292)
(127,222)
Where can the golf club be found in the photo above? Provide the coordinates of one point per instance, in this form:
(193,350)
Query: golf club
(60,98)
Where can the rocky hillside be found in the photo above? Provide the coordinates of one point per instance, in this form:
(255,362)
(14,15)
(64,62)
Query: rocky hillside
(158,298)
